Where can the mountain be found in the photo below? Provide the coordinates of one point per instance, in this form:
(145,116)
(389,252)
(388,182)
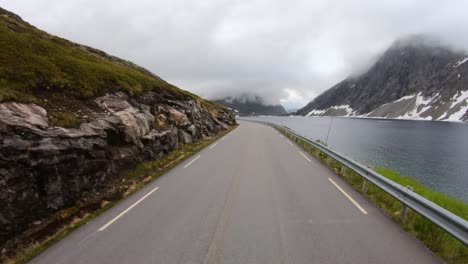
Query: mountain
(292,110)
(73,119)
(416,78)
(244,106)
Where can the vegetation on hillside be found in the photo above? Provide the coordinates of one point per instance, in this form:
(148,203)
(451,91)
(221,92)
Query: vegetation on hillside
(35,64)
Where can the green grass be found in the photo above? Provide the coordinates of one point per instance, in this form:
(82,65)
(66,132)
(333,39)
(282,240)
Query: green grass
(64,119)
(29,251)
(32,60)
(453,205)
(69,219)
(449,249)
(35,65)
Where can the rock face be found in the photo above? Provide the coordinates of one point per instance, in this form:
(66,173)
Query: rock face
(44,168)
(66,143)
(246,105)
(414,79)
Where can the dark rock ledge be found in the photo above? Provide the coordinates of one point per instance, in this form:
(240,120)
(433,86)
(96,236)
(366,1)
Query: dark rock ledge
(45,168)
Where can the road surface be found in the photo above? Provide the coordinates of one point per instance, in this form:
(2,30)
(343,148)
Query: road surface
(250,197)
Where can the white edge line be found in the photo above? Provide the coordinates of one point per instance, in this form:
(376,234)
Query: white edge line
(126,210)
(349,197)
(192,161)
(86,238)
(212,146)
(289,142)
(305,157)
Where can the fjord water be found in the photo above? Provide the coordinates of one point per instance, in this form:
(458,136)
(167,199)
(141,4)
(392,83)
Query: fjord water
(433,153)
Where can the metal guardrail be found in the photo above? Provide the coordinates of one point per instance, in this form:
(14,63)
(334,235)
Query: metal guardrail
(453,224)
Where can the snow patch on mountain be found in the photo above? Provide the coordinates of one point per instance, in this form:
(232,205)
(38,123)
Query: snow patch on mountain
(410,80)
(460,62)
(348,111)
(316,112)
(404,98)
(410,107)
(457,116)
(459,98)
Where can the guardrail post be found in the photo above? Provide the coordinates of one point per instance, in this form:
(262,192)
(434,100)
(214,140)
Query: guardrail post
(328,161)
(364,186)
(403,213)
(404,209)
(343,170)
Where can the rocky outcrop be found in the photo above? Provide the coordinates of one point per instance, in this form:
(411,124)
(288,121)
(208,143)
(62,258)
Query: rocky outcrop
(44,168)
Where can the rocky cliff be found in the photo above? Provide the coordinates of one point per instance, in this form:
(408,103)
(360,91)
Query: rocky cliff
(245,105)
(416,78)
(62,135)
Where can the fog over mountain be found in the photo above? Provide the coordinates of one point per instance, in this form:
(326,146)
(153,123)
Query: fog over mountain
(287,52)
(251,105)
(416,78)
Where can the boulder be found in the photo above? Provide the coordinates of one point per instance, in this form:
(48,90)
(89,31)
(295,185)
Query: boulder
(178,117)
(193,130)
(185,137)
(28,116)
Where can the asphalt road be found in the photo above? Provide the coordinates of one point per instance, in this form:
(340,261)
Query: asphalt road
(250,197)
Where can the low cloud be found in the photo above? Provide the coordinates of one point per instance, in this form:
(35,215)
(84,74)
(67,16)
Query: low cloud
(284,51)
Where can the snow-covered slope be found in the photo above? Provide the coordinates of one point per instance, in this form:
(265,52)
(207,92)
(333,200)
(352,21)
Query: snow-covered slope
(409,107)
(413,79)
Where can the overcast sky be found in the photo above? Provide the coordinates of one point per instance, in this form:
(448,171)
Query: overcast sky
(285,51)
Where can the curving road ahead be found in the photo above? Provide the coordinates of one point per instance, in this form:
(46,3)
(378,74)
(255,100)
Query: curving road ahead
(251,197)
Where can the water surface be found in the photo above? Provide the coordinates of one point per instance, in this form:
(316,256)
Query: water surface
(433,153)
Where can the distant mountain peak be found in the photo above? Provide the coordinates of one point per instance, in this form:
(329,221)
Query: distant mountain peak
(415,78)
(416,40)
(247,104)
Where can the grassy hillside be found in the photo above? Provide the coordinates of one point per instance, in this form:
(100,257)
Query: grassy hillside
(35,65)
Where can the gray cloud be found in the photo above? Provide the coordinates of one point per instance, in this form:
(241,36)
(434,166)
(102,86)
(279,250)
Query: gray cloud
(284,51)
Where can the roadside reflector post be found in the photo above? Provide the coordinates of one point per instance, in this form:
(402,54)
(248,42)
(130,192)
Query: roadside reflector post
(404,209)
(343,170)
(364,186)
(328,161)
